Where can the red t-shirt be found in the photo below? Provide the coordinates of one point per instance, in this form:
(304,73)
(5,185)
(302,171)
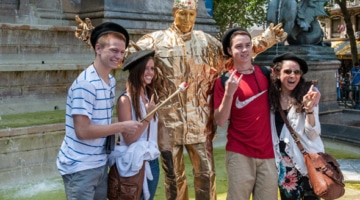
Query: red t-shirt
(249,131)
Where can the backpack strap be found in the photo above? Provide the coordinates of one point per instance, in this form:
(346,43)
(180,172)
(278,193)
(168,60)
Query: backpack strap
(225,76)
(266,71)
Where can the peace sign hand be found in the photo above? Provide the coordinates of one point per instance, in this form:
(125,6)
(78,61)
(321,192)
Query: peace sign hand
(311,98)
(150,106)
(232,84)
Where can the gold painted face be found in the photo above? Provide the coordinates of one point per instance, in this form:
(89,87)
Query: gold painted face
(185,19)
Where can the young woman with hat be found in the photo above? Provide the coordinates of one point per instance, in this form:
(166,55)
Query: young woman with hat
(298,99)
(134,104)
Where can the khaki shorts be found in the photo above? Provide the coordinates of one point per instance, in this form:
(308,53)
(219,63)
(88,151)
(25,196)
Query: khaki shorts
(248,176)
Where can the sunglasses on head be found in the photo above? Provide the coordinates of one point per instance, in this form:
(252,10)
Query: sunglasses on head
(289,71)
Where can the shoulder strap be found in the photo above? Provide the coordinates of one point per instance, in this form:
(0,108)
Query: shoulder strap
(266,71)
(224,77)
(293,133)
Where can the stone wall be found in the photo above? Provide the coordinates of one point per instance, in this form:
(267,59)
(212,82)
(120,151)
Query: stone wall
(29,154)
(38,64)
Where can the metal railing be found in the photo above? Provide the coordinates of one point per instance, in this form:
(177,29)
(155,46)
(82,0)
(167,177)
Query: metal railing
(350,96)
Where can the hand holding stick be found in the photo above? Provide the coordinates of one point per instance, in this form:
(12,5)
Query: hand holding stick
(181,88)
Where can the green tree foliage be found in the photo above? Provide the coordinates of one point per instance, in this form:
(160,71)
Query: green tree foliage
(239,13)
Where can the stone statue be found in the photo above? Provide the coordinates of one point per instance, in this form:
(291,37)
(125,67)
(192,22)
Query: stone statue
(299,18)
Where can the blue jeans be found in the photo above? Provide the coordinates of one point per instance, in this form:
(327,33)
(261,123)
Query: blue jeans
(155,170)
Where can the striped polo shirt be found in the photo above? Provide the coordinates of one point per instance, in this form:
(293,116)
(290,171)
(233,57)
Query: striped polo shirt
(88,95)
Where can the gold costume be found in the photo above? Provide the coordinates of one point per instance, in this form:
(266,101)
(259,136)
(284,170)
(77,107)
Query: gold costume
(186,120)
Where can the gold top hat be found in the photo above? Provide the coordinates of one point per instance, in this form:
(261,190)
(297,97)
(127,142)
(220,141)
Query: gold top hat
(186,4)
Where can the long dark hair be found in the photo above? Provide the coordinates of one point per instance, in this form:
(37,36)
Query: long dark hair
(134,85)
(275,89)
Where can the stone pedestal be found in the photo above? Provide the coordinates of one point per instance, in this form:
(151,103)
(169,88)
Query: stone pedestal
(138,16)
(322,67)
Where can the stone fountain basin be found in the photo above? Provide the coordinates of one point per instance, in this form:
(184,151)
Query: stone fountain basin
(343,125)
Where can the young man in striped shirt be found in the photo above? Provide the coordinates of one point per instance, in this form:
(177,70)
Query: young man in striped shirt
(82,159)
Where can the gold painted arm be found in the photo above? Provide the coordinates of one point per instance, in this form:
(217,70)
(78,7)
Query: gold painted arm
(272,35)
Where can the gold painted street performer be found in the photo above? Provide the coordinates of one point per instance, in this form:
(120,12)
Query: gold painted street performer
(186,121)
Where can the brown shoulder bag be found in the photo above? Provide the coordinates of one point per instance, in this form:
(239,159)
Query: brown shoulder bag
(125,188)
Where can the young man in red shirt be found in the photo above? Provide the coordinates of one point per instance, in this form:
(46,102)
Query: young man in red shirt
(243,100)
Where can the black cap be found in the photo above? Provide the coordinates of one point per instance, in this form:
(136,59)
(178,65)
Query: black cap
(135,58)
(105,28)
(293,57)
(226,38)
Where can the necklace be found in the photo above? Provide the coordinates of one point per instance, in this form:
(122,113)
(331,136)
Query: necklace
(247,71)
(286,102)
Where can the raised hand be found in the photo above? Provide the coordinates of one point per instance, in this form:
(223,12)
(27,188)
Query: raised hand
(150,106)
(272,35)
(311,98)
(280,34)
(83,29)
(232,84)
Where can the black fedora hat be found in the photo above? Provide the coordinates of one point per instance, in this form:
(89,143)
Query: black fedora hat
(135,58)
(227,36)
(293,57)
(105,28)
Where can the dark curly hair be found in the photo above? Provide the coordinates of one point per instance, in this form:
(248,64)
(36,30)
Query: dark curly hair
(275,89)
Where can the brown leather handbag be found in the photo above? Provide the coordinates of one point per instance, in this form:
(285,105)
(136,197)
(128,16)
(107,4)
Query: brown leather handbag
(126,188)
(324,171)
(325,175)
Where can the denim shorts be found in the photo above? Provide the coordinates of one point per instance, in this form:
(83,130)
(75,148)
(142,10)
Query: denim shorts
(87,184)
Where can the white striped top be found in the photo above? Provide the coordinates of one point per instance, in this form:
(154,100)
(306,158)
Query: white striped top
(88,95)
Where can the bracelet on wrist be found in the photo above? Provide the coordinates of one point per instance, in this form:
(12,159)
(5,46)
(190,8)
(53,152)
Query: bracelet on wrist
(309,113)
